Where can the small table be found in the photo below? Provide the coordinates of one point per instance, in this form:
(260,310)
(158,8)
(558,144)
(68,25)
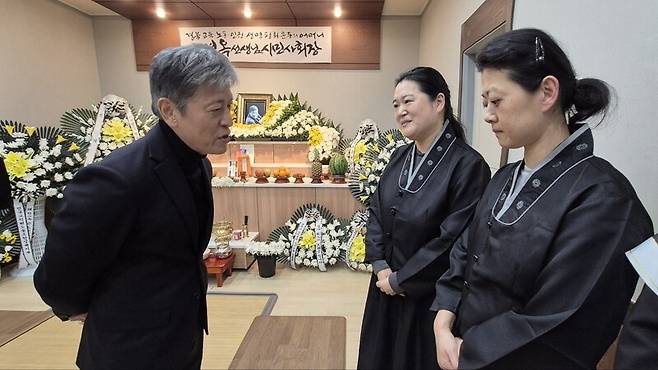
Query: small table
(219,266)
(293,342)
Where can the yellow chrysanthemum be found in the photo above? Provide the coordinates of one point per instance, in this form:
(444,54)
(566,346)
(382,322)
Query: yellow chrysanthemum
(8,237)
(9,129)
(117,130)
(60,139)
(30,130)
(358,250)
(308,240)
(389,137)
(315,137)
(17,165)
(6,258)
(234,111)
(74,147)
(359,150)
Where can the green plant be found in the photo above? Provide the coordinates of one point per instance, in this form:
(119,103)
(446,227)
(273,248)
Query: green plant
(338,164)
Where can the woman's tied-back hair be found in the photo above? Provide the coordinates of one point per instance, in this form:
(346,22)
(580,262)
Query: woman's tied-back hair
(431,83)
(528,55)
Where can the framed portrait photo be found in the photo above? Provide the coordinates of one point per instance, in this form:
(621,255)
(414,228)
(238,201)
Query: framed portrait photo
(252,108)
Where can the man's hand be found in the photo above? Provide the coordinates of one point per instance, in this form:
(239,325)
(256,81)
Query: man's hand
(447,345)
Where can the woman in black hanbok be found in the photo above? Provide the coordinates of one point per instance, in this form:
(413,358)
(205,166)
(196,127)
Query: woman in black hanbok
(425,199)
(541,281)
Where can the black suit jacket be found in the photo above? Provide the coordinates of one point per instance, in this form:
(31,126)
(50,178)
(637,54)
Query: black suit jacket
(126,249)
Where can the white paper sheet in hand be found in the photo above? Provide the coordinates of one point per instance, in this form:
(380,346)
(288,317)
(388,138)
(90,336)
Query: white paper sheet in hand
(644,259)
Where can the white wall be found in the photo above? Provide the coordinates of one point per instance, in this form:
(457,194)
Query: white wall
(440,38)
(47,61)
(617,43)
(345,96)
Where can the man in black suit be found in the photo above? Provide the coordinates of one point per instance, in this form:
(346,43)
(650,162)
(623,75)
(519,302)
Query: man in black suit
(125,252)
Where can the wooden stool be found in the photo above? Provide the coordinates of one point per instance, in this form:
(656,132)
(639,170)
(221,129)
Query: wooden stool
(219,266)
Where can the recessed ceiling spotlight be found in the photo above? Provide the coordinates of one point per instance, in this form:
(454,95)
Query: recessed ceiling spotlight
(160,13)
(338,11)
(247,11)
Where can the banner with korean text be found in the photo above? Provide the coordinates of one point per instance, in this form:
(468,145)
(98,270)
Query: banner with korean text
(264,44)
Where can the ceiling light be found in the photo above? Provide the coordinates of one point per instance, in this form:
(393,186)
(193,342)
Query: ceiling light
(247,12)
(338,11)
(160,13)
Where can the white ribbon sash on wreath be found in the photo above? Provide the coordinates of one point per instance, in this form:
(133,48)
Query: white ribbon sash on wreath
(310,215)
(32,231)
(318,243)
(108,100)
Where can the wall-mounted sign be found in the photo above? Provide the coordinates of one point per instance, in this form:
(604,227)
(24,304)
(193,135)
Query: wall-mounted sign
(264,44)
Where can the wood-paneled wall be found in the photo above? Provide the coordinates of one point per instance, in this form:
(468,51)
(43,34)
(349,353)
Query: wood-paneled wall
(355,44)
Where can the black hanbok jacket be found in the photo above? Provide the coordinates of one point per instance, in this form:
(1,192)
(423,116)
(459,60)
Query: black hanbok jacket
(546,285)
(127,248)
(413,230)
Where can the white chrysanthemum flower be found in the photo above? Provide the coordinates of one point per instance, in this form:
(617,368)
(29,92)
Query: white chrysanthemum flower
(44,183)
(30,187)
(59,177)
(58,164)
(69,161)
(60,195)
(68,175)
(332,261)
(51,192)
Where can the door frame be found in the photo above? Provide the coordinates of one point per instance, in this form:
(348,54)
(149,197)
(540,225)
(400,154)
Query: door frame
(489,17)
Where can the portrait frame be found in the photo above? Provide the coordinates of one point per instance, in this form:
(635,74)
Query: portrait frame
(246,100)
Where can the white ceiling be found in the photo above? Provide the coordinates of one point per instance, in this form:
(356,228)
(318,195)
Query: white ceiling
(404,7)
(391,7)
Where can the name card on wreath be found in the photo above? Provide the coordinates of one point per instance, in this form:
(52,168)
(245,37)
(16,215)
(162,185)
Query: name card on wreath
(264,44)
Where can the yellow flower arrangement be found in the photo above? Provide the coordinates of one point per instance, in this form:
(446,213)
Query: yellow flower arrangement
(17,164)
(308,240)
(117,130)
(234,112)
(359,150)
(273,111)
(8,237)
(315,137)
(358,250)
